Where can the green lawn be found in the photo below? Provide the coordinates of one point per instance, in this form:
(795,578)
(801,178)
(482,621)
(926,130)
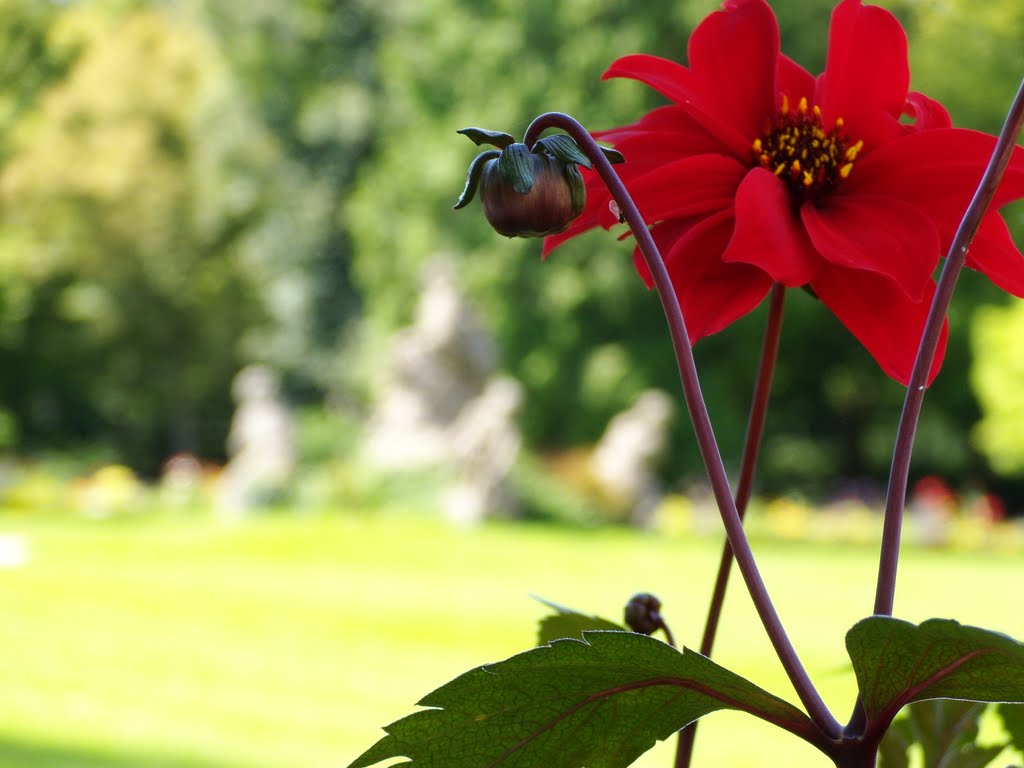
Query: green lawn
(288,641)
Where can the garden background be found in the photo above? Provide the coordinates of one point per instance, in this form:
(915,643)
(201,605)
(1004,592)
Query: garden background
(190,186)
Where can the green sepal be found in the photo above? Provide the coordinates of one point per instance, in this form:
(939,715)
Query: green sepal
(516,167)
(614,156)
(476,168)
(481,136)
(562,147)
(577,188)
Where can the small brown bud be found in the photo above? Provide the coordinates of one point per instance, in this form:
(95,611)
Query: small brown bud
(643,614)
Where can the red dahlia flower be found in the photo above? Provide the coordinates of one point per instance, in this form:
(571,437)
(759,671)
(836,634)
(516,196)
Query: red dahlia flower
(760,173)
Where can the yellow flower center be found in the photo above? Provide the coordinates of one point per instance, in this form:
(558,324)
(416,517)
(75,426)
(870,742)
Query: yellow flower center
(797,148)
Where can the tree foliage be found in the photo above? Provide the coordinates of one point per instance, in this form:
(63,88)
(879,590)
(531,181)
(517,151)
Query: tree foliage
(998,339)
(126,195)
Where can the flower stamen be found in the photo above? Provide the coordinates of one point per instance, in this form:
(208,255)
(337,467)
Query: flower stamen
(797,148)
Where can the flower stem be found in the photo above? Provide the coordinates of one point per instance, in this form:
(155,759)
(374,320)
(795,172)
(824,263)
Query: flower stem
(896,495)
(744,487)
(713,463)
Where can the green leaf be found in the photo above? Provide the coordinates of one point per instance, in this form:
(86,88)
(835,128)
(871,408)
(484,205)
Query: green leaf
(481,136)
(897,663)
(566,622)
(599,702)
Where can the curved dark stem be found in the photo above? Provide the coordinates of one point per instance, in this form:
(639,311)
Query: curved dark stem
(669,638)
(713,463)
(885,591)
(744,487)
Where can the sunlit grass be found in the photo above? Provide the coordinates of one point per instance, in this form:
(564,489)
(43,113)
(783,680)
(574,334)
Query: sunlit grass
(288,641)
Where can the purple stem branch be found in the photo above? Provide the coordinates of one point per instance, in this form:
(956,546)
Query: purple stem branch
(744,488)
(899,472)
(885,591)
(713,463)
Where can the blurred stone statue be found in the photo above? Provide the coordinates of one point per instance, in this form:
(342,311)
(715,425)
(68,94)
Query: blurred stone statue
(485,442)
(438,364)
(442,404)
(625,462)
(261,443)
(181,481)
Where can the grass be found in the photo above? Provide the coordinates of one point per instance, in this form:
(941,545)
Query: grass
(288,641)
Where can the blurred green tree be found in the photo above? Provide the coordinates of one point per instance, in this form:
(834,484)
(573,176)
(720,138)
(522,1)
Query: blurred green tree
(130,196)
(969,55)
(996,375)
(308,70)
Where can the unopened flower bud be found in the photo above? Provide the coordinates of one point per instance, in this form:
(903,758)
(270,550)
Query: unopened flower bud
(527,192)
(643,613)
(554,198)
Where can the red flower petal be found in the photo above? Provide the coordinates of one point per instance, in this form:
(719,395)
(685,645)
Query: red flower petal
(866,73)
(712,294)
(735,51)
(676,82)
(881,317)
(928,114)
(664,132)
(938,171)
(935,169)
(588,220)
(994,253)
(670,117)
(794,81)
(767,233)
(879,234)
(666,234)
(692,185)
(598,197)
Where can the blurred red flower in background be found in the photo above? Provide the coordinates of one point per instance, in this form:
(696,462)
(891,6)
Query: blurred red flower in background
(846,184)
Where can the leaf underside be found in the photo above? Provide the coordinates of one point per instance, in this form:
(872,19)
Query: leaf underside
(599,702)
(897,663)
